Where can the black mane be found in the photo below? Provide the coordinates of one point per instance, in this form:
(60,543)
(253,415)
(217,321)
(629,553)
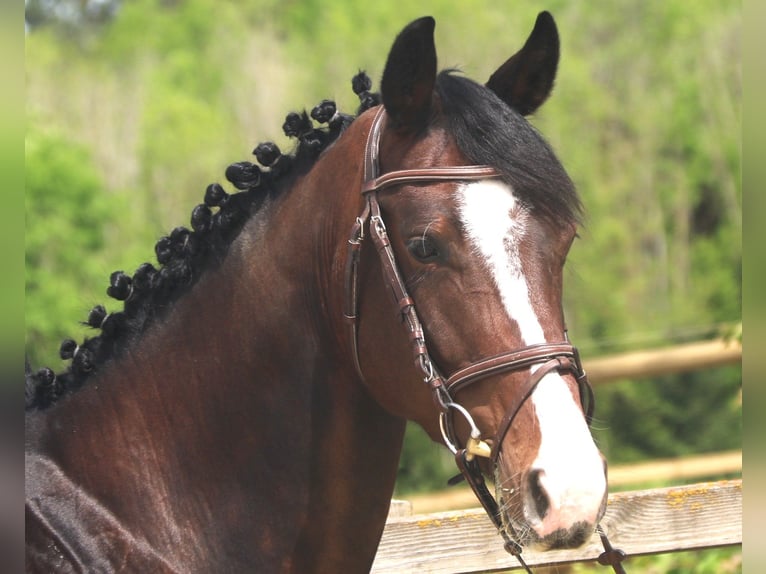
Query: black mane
(488,132)
(185,254)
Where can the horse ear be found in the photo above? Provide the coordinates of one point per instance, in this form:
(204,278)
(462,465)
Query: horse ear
(525,81)
(409,76)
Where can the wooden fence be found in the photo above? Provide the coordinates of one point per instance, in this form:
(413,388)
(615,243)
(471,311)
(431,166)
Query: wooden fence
(698,516)
(693,517)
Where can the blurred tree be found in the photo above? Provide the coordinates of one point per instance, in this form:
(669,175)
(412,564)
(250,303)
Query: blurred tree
(670,416)
(654,148)
(70,15)
(424,465)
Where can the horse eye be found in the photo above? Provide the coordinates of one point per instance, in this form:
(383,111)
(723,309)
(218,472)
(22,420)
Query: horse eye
(424,249)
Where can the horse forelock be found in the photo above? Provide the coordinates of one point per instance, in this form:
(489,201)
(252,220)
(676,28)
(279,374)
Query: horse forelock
(489,132)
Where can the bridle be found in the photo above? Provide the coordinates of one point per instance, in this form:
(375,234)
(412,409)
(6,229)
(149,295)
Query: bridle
(547,357)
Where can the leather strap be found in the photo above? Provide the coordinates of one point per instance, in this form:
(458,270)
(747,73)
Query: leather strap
(350,311)
(430,175)
(511,361)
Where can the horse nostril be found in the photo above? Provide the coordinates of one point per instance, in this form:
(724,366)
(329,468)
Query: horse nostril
(538,493)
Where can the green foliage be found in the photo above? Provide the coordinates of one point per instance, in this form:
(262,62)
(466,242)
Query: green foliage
(654,148)
(669,416)
(424,465)
(67,214)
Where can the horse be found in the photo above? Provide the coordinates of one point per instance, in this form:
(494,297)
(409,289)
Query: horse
(245,410)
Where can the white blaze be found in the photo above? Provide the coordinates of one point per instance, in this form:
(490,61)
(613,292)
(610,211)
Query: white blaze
(572,472)
(495,225)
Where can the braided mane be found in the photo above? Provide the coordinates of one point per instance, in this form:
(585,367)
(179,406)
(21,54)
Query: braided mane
(185,254)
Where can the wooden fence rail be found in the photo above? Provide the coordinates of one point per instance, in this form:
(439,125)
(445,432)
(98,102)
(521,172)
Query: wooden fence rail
(676,359)
(698,516)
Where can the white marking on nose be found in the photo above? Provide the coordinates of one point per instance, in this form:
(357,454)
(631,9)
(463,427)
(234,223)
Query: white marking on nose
(569,465)
(571,471)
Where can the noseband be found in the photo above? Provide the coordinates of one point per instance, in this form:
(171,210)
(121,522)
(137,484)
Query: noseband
(541,359)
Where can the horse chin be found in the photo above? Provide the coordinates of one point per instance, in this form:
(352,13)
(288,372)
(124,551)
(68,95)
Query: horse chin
(560,539)
(524,532)
(528,530)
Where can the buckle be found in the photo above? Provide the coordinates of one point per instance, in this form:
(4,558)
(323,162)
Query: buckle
(475,446)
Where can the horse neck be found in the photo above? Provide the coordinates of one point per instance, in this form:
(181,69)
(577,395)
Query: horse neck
(242,407)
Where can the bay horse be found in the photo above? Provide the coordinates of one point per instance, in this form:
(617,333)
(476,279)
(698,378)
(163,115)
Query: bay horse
(244,411)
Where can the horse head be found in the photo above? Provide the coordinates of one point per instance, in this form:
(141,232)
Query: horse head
(479,256)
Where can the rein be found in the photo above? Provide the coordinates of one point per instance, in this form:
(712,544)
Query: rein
(547,357)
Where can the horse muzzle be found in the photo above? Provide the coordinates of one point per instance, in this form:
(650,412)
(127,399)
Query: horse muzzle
(557,496)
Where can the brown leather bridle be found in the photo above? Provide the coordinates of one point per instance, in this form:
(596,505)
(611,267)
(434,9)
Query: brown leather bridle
(547,357)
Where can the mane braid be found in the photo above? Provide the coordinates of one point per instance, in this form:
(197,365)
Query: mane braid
(184,255)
